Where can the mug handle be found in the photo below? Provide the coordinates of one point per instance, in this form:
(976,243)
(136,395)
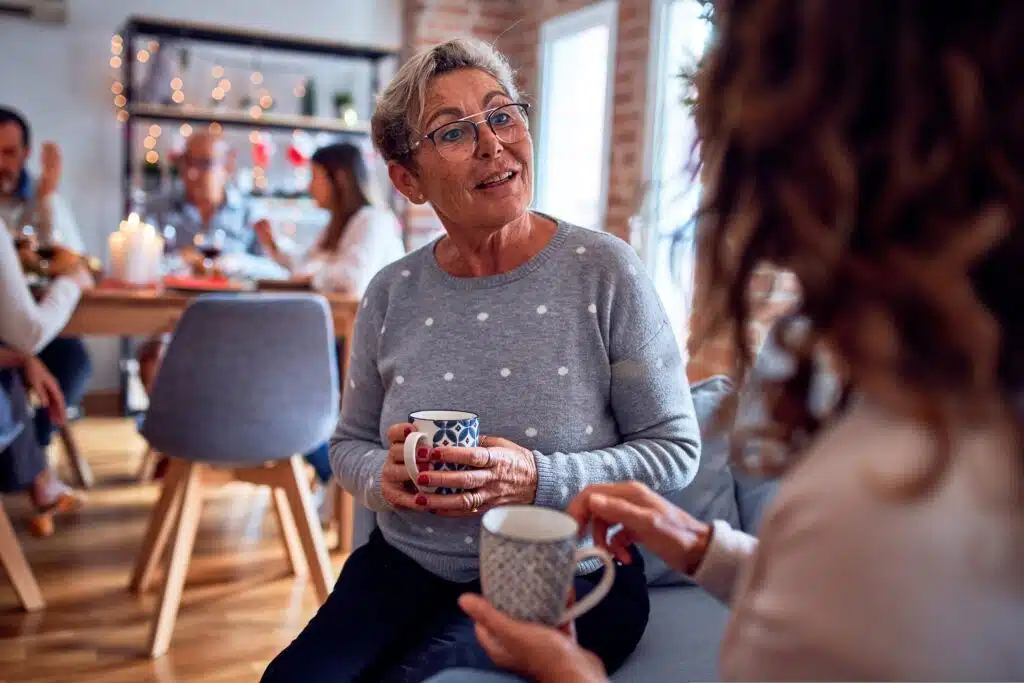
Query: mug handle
(602,588)
(412,442)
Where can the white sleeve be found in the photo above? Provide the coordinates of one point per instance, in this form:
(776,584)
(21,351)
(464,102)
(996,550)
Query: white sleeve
(728,552)
(24,324)
(351,267)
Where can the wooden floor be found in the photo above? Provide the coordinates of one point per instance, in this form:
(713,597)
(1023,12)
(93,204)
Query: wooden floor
(240,608)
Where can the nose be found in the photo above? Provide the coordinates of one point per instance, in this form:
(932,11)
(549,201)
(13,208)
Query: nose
(488,145)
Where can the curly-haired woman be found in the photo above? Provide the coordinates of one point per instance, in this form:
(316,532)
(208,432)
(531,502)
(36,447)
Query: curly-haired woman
(875,149)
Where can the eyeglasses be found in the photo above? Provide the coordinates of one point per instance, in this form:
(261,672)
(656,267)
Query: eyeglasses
(456,141)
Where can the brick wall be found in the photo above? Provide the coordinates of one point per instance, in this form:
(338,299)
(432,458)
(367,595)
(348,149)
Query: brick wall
(514,27)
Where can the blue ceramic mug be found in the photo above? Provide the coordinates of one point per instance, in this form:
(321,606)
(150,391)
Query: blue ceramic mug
(436,428)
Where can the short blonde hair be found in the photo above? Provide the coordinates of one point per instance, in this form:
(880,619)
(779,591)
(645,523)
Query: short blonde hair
(400,105)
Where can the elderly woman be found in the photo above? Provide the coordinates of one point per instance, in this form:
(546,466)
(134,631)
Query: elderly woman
(550,333)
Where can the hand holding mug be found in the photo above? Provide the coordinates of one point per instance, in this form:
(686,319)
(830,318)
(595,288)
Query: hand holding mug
(395,482)
(646,518)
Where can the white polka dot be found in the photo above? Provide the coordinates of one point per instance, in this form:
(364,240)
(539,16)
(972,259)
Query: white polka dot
(468,540)
(482,316)
(369,483)
(660,363)
(352,383)
(592,308)
(430,529)
(399,380)
(565,491)
(448,377)
(608,459)
(383,328)
(563,371)
(406,273)
(505,372)
(581,250)
(531,432)
(428,322)
(632,269)
(366,301)
(541,310)
(589,430)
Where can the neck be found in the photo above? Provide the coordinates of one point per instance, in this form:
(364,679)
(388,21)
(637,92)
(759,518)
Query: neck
(465,254)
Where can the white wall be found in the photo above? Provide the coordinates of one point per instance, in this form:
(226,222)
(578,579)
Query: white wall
(60,78)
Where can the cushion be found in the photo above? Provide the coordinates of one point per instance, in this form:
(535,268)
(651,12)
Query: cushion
(681,641)
(711,495)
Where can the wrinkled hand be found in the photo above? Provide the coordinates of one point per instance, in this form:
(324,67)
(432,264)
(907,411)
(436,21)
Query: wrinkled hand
(396,486)
(647,518)
(504,473)
(41,383)
(50,170)
(541,653)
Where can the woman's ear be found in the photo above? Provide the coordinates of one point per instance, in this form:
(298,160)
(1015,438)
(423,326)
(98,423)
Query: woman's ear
(406,182)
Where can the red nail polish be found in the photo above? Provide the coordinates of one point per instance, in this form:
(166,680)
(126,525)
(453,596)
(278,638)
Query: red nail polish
(408,430)
(435,454)
(421,500)
(422,452)
(423,479)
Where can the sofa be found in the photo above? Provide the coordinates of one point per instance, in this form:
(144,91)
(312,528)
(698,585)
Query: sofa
(686,624)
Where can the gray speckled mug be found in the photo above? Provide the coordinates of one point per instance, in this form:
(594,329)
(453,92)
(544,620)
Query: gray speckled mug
(528,556)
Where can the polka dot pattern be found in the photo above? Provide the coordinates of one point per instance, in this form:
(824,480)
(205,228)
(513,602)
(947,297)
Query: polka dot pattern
(406,273)
(482,317)
(581,250)
(563,371)
(589,430)
(399,380)
(531,432)
(430,529)
(429,322)
(592,308)
(542,309)
(505,372)
(448,377)
(468,540)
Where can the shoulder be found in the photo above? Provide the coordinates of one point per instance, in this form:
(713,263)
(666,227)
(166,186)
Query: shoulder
(601,250)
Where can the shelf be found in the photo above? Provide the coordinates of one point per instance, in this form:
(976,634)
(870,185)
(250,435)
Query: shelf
(163,28)
(183,114)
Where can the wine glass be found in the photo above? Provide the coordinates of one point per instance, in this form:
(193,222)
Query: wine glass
(26,237)
(211,246)
(46,250)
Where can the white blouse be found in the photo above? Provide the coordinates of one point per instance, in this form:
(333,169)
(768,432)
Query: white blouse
(24,324)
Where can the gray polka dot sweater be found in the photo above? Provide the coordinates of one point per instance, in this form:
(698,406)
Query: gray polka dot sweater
(569,355)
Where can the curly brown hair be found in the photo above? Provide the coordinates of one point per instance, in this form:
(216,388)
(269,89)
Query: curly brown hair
(874,148)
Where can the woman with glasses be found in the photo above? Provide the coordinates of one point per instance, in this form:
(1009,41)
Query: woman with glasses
(550,333)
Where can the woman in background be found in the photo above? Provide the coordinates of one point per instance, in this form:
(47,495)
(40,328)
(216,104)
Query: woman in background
(360,238)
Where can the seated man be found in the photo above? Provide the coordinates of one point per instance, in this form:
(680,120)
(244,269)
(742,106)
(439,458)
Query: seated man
(27,202)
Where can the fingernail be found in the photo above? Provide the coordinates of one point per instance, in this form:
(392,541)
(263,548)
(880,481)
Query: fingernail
(422,453)
(423,479)
(422,461)
(408,430)
(421,500)
(435,454)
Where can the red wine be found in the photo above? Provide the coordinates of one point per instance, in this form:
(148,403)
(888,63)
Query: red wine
(22,242)
(46,253)
(210,252)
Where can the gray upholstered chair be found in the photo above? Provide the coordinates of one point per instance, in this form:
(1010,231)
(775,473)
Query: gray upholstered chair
(248,383)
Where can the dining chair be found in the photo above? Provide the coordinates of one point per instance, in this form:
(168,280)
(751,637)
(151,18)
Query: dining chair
(80,470)
(247,383)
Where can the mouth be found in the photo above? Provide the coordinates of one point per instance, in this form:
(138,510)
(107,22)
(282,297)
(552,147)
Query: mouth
(497,180)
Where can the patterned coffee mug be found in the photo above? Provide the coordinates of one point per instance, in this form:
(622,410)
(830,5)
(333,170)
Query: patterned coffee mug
(434,428)
(528,556)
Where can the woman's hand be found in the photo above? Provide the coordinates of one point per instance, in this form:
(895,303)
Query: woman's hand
(540,653)
(395,484)
(646,518)
(265,235)
(503,473)
(41,383)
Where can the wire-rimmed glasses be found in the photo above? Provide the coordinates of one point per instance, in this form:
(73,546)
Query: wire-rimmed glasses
(456,141)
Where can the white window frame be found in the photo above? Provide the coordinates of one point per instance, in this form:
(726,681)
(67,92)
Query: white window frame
(604,13)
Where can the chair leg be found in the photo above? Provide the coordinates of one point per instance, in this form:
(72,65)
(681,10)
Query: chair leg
(158,530)
(289,533)
(310,532)
(177,567)
(344,517)
(17,567)
(147,468)
(79,466)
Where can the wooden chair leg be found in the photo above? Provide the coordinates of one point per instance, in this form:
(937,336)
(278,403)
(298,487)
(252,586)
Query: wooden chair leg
(79,466)
(344,517)
(17,567)
(310,532)
(177,566)
(147,468)
(158,530)
(289,533)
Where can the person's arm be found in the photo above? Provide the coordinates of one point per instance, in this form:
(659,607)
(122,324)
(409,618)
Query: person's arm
(726,552)
(24,324)
(58,223)
(354,263)
(357,455)
(650,400)
(9,358)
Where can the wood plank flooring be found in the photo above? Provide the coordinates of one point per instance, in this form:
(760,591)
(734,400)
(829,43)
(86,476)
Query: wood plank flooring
(241,604)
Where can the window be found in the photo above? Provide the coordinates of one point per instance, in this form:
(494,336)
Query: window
(681,35)
(577,53)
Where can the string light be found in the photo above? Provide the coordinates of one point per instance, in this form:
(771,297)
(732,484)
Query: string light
(116,48)
(185,130)
(218,93)
(143,55)
(154,131)
(255,111)
(218,72)
(254,137)
(176,83)
(120,101)
(149,143)
(152,157)
(115,62)
(153,46)
(215,128)
(122,116)
(266,101)
(117,88)
(178,97)
(300,89)
(224,85)
(256,78)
